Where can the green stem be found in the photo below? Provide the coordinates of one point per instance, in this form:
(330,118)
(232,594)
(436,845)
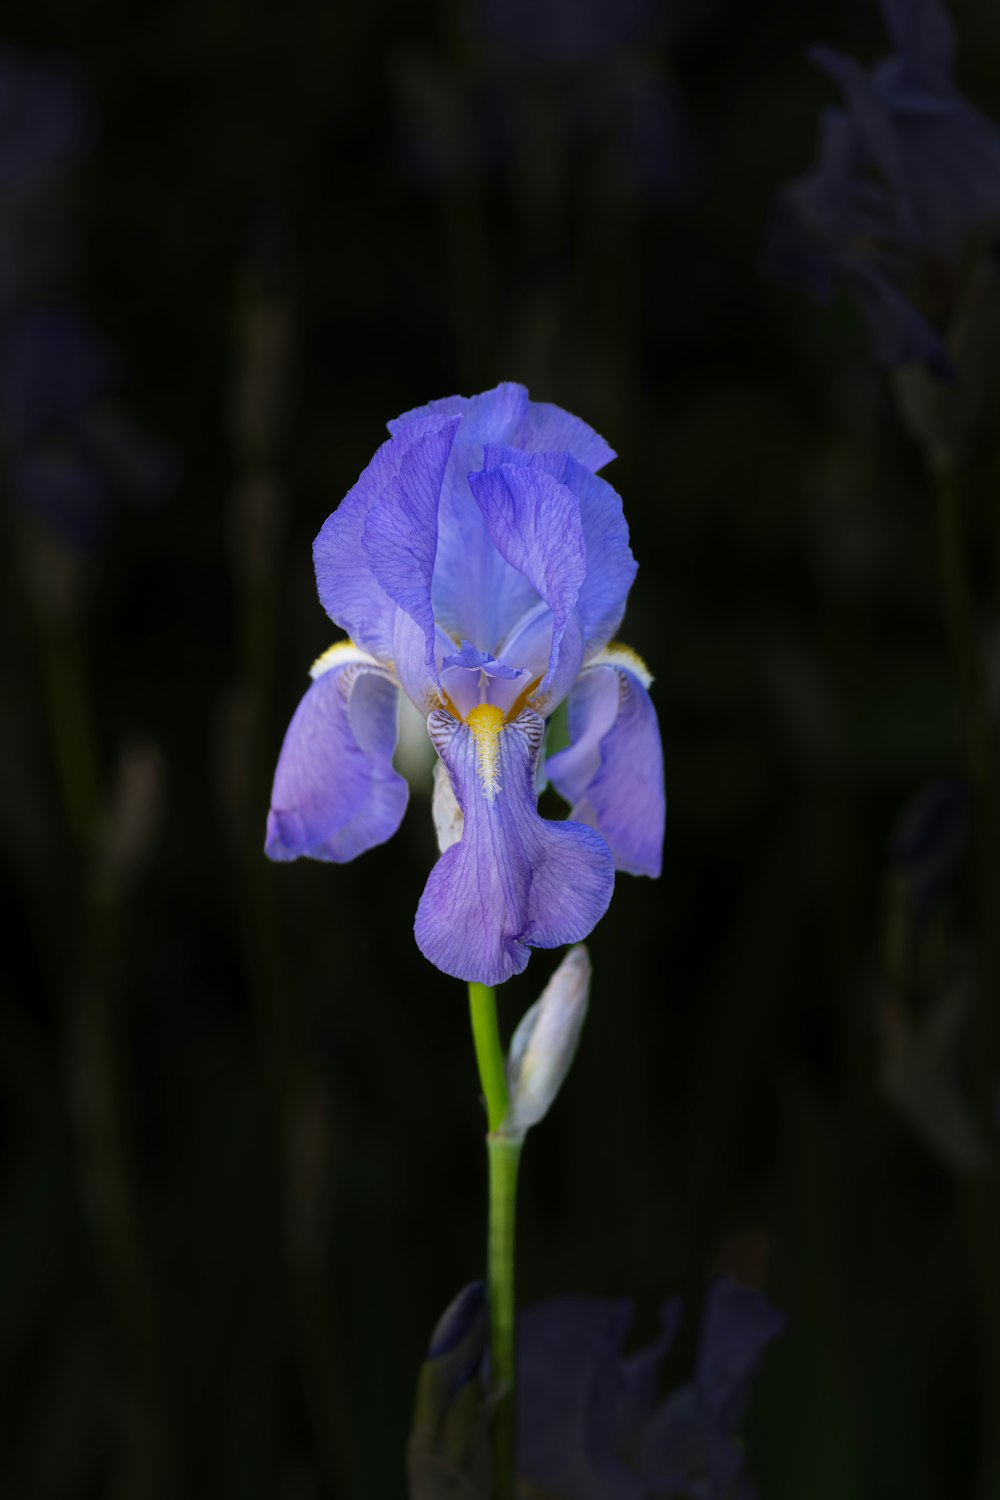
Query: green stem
(489,1053)
(504,1156)
(504,1153)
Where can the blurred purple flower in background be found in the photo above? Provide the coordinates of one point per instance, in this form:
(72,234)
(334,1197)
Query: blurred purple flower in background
(69,452)
(550,75)
(52,366)
(928,994)
(46,128)
(594,1424)
(905,192)
(566,30)
(481,565)
(46,120)
(928,844)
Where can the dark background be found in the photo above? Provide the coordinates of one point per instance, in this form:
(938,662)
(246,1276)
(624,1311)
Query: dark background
(242,1170)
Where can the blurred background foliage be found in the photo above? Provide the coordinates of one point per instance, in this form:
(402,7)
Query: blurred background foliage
(242,1168)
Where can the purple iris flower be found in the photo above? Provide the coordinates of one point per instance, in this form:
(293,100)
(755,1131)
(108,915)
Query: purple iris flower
(46,118)
(563,76)
(928,845)
(47,123)
(594,1424)
(481,565)
(567,29)
(69,451)
(908,178)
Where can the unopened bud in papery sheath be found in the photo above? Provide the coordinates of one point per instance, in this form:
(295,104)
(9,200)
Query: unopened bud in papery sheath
(544,1044)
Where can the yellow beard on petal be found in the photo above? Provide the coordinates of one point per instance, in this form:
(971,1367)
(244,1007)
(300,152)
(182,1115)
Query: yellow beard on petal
(486,722)
(342,654)
(618,655)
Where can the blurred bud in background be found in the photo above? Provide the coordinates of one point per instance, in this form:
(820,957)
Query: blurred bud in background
(446,1453)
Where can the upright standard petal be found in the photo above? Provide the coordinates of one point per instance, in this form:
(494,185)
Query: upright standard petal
(349,591)
(535,525)
(335,791)
(505,414)
(477,593)
(612,771)
(494,415)
(610,566)
(548,429)
(401,530)
(514,881)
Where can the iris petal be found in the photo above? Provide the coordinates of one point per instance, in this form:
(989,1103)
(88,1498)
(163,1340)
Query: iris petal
(514,880)
(335,791)
(549,429)
(478,595)
(530,645)
(475,591)
(610,566)
(479,661)
(612,771)
(401,530)
(506,415)
(535,524)
(497,414)
(465,672)
(349,591)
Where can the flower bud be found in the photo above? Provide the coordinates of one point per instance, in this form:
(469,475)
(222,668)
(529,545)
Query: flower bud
(544,1043)
(447,1452)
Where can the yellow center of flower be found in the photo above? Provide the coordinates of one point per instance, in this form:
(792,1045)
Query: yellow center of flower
(486,722)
